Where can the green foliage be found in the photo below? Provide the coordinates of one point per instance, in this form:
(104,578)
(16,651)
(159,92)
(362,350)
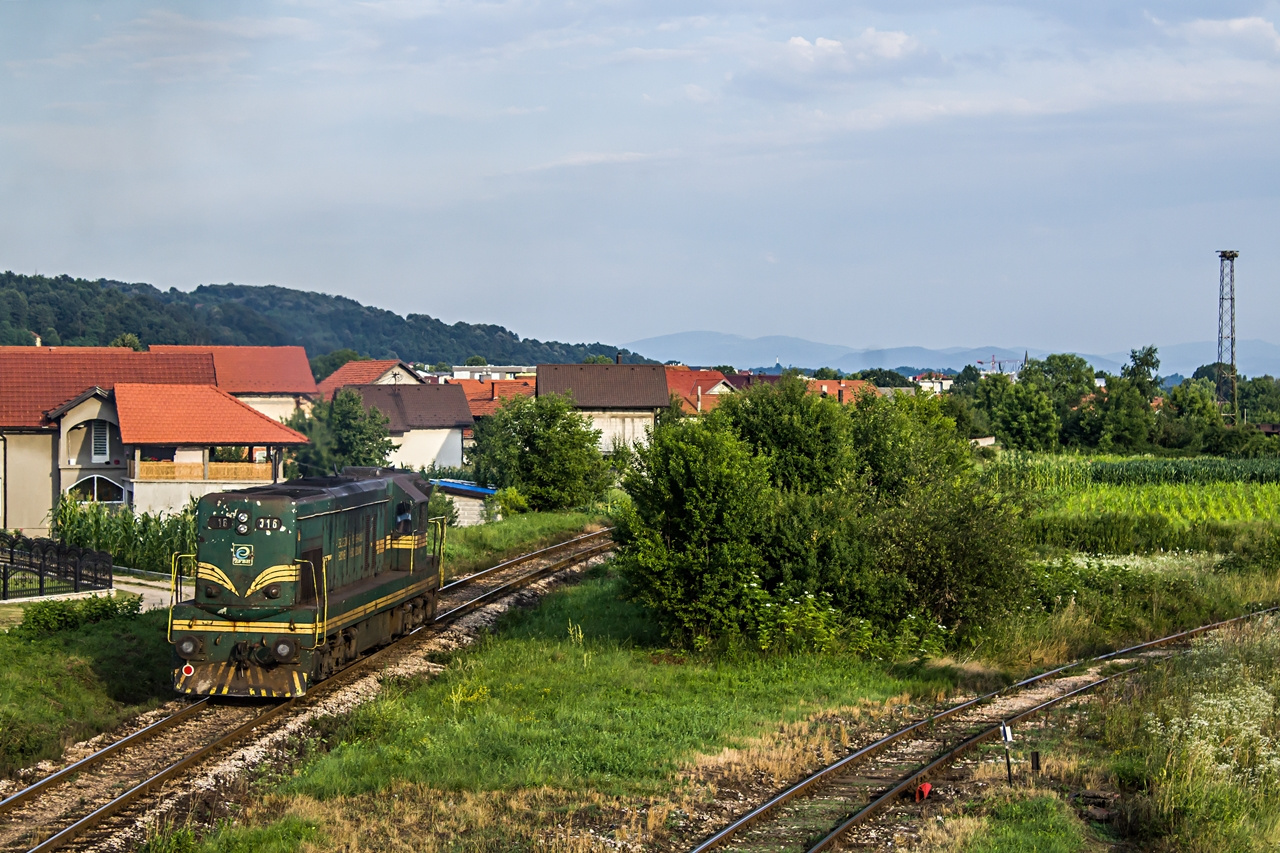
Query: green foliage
(61,687)
(127,339)
(287,834)
(597,359)
(1041,824)
(700,503)
(440,505)
(134,540)
(1024,419)
(827,373)
(1141,371)
(882,378)
(510,502)
(805,437)
(325,365)
(77,312)
(467,549)
(49,617)
(726,369)
(878,515)
(1066,378)
(543,447)
(342,432)
(475,361)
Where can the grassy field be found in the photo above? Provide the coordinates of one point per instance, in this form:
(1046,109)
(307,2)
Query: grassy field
(470,548)
(58,689)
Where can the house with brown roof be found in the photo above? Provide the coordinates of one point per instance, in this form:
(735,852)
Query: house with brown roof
(427,422)
(114,425)
(697,390)
(276,381)
(621,400)
(387,372)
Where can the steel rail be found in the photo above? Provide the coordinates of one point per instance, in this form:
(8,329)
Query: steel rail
(872,749)
(947,759)
(141,735)
(524,558)
(126,799)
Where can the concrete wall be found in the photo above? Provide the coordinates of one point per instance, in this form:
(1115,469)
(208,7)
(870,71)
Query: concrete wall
(626,426)
(278,407)
(171,495)
(419,448)
(30,481)
(470,510)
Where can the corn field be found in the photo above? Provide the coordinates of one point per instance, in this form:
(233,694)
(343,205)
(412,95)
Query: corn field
(1050,473)
(135,540)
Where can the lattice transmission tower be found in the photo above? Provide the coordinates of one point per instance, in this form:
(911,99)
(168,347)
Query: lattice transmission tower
(1227,334)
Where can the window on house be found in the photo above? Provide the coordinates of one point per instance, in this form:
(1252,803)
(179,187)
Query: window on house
(97,489)
(98,437)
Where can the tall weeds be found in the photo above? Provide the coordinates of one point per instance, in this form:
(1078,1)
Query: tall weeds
(135,540)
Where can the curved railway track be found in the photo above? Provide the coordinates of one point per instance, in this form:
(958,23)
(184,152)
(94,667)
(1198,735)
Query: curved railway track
(817,812)
(70,804)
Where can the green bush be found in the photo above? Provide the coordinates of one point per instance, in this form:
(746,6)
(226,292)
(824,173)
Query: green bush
(48,617)
(440,505)
(510,502)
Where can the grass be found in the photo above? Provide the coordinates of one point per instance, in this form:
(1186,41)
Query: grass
(577,694)
(1082,605)
(1182,504)
(1035,821)
(468,549)
(10,615)
(57,689)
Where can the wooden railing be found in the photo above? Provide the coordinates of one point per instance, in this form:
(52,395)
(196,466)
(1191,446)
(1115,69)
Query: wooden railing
(196,471)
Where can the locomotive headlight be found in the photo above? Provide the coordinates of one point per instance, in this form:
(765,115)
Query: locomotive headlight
(284,649)
(272,591)
(189,647)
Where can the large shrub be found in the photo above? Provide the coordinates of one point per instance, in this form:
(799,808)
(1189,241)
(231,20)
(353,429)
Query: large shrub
(543,447)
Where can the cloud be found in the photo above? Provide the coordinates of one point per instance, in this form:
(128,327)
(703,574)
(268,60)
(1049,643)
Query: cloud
(697,94)
(1253,34)
(592,158)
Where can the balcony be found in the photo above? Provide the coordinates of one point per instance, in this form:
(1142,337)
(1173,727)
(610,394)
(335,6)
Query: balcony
(223,472)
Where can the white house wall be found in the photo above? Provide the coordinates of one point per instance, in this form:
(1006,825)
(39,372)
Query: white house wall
(29,481)
(420,448)
(621,426)
(278,407)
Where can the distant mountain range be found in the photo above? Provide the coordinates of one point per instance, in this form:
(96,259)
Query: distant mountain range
(1254,357)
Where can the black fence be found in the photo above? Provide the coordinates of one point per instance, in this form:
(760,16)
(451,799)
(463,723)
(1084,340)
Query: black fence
(30,567)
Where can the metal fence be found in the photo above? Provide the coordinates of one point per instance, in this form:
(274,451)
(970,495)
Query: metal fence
(31,567)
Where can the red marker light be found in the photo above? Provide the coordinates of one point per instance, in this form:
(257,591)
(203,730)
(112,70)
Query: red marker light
(188,669)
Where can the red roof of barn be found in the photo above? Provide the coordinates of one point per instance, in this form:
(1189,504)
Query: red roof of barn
(256,370)
(36,380)
(361,373)
(484,397)
(193,415)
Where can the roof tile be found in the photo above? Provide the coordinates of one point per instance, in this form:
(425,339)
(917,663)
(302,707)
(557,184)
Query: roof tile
(410,407)
(362,373)
(256,370)
(607,386)
(193,415)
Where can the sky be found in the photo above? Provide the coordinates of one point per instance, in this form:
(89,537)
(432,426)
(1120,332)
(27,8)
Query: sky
(1057,174)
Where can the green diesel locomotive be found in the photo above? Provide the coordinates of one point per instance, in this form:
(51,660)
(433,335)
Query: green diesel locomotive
(295,580)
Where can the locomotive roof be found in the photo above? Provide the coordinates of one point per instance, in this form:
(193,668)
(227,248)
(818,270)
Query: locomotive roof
(351,486)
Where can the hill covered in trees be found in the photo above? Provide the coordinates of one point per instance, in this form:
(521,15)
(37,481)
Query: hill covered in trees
(79,312)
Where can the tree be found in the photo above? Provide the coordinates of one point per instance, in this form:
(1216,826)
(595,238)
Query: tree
(805,437)
(700,502)
(726,369)
(1024,419)
(543,447)
(882,378)
(966,381)
(827,373)
(342,432)
(1066,378)
(327,365)
(1119,418)
(128,340)
(1141,371)
(597,359)
(442,367)
(476,361)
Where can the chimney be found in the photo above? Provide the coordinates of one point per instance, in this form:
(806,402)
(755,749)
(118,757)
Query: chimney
(493,391)
(617,358)
(840,395)
(699,399)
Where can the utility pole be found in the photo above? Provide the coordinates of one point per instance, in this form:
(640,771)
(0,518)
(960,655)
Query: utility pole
(1227,331)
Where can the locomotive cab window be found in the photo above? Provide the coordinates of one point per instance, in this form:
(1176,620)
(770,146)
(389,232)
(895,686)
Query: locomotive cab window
(404,518)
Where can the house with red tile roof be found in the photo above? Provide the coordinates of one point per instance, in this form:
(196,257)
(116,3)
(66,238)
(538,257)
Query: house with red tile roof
(369,372)
(843,390)
(276,381)
(428,423)
(111,424)
(485,396)
(697,390)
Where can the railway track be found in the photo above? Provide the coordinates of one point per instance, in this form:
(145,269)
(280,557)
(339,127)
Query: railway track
(820,811)
(74,803)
